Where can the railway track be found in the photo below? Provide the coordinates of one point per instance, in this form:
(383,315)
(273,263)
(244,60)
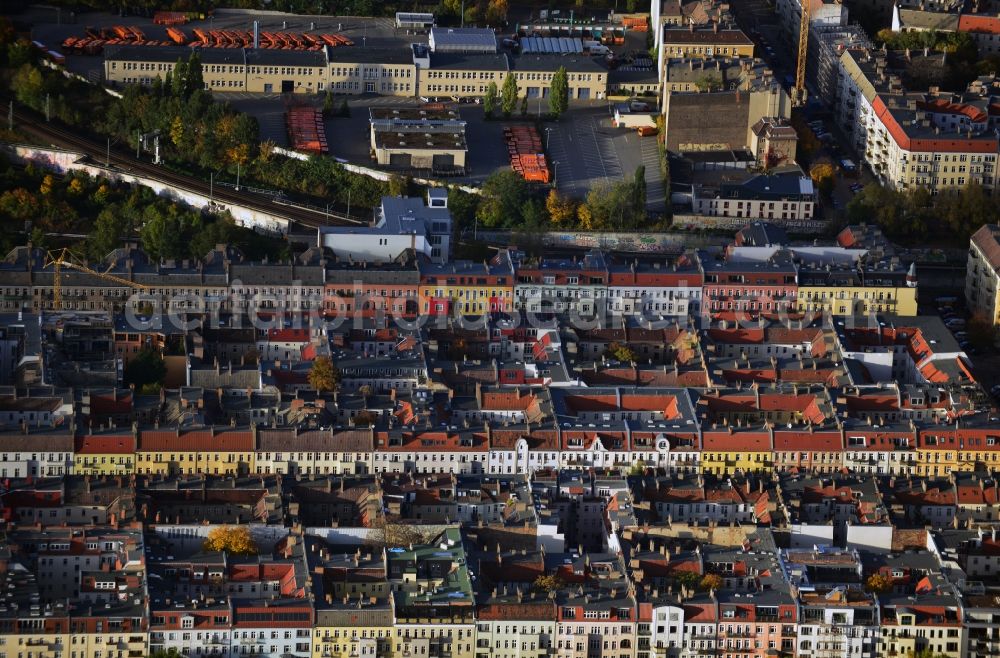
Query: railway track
(63,138)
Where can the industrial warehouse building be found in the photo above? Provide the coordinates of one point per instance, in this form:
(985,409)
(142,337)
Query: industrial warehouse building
(419,139)
(415,70)
(341,70)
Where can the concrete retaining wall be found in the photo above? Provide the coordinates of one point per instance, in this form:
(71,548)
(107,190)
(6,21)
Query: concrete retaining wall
(652,243)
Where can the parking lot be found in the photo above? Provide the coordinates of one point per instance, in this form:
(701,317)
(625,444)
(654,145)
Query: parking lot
(586,152)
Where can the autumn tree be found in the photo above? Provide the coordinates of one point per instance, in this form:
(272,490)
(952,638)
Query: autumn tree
(508,95)
(822,174)
(620,352)
(399,185)
(559,93)
(235,540)
(549,583)
(688,578)
(710,581)
(364,419)
(611,207)
(323,376)
(878,583)
(561,209)
(496,12)
(386,533)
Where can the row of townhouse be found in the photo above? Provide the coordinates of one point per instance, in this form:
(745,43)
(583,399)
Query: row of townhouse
(681,430)
(841,282)
(305,596)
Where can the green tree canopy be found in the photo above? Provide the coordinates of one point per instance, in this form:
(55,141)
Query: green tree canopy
(144,368)
(504,195)
(491,99)
(508,95)
(559,93)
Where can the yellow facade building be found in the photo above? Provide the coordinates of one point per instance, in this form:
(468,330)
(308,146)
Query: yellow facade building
(707,42)
(466,287)
(104,454)
(211,451)
(884,288)
(356,628)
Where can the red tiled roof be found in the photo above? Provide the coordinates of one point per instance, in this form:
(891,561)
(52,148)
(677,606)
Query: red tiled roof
(788,440)
(979,23)
(197,440)
(736,441)
(104,444)
(937,143)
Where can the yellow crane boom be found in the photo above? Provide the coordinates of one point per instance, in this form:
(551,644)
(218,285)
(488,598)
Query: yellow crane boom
(799,93)
(63,259)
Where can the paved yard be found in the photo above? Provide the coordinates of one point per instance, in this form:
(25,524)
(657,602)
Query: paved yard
(590,152)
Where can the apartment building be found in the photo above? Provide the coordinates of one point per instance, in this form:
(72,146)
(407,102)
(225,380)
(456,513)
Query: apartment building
(467,288)
(519,624)
(713,105)
(789,196)
(862,288)
(982,274)
(563,286)
(683,41)
(434,599)
(35,453)
(931,140)
(654,289)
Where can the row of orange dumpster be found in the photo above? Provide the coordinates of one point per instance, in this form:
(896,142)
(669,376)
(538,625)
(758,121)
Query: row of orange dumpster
(94,45)
(524,146)
(97,38)
(305,129)
(270,40)
(637,23)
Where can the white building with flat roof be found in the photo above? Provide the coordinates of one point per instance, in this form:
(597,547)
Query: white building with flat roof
(401,223)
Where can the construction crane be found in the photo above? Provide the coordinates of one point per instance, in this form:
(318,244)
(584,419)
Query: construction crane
(799,92)
(63,259)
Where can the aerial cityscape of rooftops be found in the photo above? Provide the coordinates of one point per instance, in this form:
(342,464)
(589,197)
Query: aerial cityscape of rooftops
(487,329)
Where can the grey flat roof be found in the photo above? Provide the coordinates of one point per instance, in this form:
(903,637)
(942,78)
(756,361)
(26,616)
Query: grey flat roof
(573,63)
(356,55)
(259,56)
(469,61)
(453,38)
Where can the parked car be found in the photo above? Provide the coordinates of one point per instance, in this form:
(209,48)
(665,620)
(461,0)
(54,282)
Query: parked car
(995,390)
(962,335)
(955,323)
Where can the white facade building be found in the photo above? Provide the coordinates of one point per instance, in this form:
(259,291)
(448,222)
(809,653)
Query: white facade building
(401,223)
